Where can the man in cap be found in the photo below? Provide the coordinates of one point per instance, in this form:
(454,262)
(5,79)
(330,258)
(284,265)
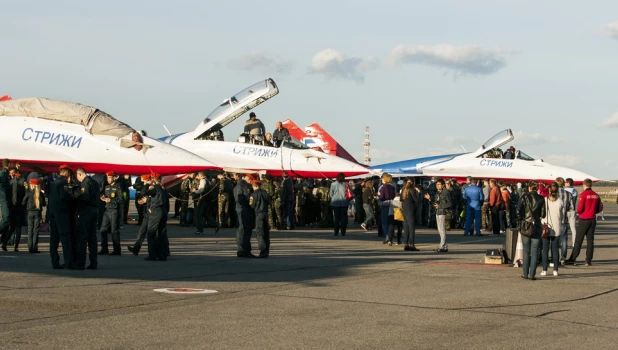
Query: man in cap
(144,204)
(87,211)
(112,197)
(260,202)
(254,126)
(243,211)
(158,243)
(60,216)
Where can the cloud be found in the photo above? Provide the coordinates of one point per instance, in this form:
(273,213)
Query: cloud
(612,122)
(460,60)
(261,62)
(562,160)
(611,30)
(334,64)
(535,139)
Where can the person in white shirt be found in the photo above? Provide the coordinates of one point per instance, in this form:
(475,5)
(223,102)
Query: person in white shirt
(554,220)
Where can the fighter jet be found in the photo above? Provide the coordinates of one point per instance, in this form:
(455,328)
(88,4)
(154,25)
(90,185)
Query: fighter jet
(42,134)
(488,161)
(248,153)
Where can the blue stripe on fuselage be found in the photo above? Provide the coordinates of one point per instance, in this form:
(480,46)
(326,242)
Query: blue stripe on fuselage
(409,166)
(170,139)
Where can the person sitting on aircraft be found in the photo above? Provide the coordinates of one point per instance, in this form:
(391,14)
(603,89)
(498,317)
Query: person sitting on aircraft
(510,153)
(280,134)
(254,127)
(268,140)
(216,135)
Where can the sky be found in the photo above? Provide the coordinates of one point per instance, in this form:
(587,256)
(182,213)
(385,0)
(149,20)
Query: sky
(427,77)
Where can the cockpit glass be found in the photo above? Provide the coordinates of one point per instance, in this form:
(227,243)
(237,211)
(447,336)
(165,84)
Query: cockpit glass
(521,155)
(294,144)
(499,139)
(250,93)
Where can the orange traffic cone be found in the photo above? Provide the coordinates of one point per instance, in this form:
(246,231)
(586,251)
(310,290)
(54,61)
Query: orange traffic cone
(519,252)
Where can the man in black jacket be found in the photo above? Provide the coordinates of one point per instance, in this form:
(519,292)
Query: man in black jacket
(441,201)
(61,214)
(260,203)
(87,211)
(243,211)
(280,134)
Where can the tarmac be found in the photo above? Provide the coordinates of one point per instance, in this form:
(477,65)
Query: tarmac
(314,291)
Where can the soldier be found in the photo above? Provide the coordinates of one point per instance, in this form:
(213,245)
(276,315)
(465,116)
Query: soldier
(267,186)
(243,211)
(326,219)
(287,198)
(144,203)
(457,202)
(60,217)
(87,210)
(260,202)
(125,183)
(226,189)
(183,199)
(277,205)
(112,197)
(4,190)
(158,243)
(138,186)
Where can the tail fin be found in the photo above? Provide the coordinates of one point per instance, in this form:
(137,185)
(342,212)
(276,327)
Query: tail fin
(314,133)
(5,98)
(294,130)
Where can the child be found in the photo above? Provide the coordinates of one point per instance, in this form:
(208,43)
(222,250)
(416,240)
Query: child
(34,201)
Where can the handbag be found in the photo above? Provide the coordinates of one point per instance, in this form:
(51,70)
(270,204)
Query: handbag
(525,227)
(398,214)
(545,234)
(348,194)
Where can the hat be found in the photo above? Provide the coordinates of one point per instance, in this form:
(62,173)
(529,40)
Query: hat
(252,114)
(250,177)
(34,181)
(155,175)
(256,182)
(469,178)
(110,173)
(453,179)
(64,166)
(145,177)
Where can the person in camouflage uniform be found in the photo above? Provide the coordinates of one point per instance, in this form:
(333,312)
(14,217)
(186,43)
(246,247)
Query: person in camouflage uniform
(269,188)
(327,211)
(226,188)
(278,204)
(185,191)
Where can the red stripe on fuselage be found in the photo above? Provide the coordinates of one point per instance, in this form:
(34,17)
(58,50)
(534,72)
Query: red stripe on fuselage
(129,169)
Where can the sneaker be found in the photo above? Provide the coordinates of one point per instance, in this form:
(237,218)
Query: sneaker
(551,264)
(555,273)
(390,244)
(543,273)
(364,226)
(587,263)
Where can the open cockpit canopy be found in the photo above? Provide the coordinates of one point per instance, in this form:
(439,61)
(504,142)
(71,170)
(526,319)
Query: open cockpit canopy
(95,121)
(232,108)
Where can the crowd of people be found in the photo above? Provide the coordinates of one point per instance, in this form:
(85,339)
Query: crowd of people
(79,206)
(254,132)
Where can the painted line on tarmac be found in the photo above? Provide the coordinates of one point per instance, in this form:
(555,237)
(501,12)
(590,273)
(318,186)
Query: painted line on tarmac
(185,291)
(463,264)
